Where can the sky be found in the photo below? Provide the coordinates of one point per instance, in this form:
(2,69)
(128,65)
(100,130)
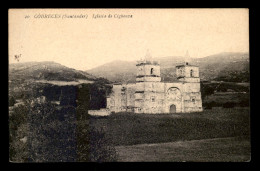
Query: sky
(87,42)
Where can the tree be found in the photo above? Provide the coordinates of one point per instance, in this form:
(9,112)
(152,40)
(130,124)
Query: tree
(206,90)
(55,135)
(11,101)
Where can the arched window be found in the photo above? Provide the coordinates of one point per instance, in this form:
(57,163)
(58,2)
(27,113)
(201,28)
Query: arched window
(191,73)
(151,71)
(123,90)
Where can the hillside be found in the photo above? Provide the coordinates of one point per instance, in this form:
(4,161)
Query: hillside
(226,66)
(116,71)
(27,78)
(46,71)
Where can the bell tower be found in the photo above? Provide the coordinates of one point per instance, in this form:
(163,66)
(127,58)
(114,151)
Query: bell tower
(148,78)
(187,73)
(148,70)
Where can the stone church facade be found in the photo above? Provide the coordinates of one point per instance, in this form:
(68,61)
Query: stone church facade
(149,95)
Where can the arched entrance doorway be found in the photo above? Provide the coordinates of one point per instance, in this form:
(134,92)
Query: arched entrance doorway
(174,100)
(172,109)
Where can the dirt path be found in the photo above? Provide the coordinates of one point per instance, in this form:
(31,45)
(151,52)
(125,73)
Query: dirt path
(233,149)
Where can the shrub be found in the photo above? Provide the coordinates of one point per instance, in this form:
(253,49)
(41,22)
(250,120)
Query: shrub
(55,136)
(93,145)
(209,105)
(11,101)
(229,105)
(244,103)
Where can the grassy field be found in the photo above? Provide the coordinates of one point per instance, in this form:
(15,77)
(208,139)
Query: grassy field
(131,129)
(235,149)
(44,133)
(220,134)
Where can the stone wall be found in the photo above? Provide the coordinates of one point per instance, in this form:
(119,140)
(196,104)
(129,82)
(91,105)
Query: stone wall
(122,98)
(192,97)
(130,96)
(195,71)
(146,70)
(101,112)
(185,71)
(149,79)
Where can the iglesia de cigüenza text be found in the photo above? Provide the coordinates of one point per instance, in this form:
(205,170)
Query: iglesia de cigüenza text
(151,96)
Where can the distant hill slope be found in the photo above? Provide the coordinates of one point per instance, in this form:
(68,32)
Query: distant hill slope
(224,66)
(26,78)
(46,71)
(58,84)
(116,71)
(219,66)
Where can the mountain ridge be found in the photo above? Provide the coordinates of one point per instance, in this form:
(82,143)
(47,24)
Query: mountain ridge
(211,67)
(48,70)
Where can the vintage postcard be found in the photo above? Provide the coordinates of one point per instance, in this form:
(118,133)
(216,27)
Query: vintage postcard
(129,85)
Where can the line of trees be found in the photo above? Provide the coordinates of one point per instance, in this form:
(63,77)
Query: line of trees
(44,133)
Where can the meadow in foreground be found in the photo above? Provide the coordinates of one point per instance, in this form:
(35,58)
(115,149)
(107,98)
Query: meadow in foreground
(44,133)
(130,129)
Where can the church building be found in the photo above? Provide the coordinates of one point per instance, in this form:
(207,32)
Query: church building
(149,95)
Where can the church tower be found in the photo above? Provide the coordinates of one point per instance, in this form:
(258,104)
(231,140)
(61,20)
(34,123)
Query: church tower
(189,76)
(148,70)
(148,79)
(186,72)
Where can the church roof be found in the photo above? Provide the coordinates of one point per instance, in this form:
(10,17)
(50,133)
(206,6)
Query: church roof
(182,65)
(146,62)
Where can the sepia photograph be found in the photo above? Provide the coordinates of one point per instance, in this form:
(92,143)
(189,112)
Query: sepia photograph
(129,85)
